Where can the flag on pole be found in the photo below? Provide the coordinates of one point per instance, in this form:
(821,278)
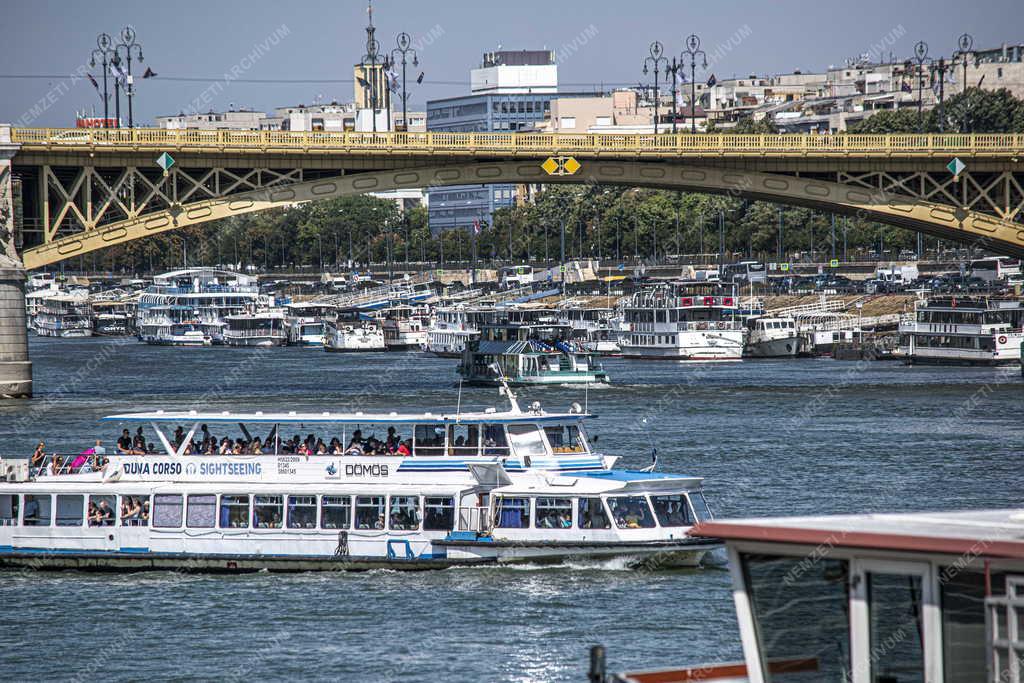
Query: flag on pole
(905,87)
(94,83)
(419,79)
(712,81)
(149,73)
(476,227)
(392,80)
(118,73)
(363,83)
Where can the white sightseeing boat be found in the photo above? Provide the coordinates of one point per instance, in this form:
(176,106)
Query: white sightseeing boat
(198,297)
(451,331)
(63,314)
(771,337)
(963,330)
(306,323)
(357,335)
(405,327)
(683,321)
(475,488)
(266,328)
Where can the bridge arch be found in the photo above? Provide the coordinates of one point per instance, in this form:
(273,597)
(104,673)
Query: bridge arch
(881,204)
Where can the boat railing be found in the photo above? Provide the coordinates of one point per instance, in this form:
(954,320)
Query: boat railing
(474,519)
(257,332)
(709,325)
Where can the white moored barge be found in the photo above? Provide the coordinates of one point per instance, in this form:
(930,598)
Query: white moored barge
(469,488)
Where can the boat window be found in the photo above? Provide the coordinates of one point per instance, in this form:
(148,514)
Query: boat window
(70,509)
(438,513)
(37,510)
(700,506)
(780,590)
(134,510)
(429,439)
(672,510)
(369,512)
(964,638)
(167,510)
(495,442)
(631,512)
(553,513)
(335,512)
(565,439)
(267,512)
(234,511)
(201,512)
(463,439)
(102,510)
(526,440)
(302,512)
(8,509)
(591,514)
(513,513)
(404,513)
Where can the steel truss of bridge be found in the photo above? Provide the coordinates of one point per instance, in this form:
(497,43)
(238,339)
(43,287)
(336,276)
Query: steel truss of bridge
(85,189)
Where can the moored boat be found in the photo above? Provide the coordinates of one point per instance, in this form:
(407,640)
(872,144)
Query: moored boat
(529,354)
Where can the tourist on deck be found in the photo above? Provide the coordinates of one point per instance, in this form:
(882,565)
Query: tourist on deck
(303,449)
(257,447)
(38,456)
(335,447)
(225,446)
(124,444)
(357,439)
(404,448)
(321,448)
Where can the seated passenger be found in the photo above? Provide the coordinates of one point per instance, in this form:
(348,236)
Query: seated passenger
(257,447)
(124,442)
(303,449)
(321,448)
(354,448)
(105,514)
(357,439)
(404,448)
(335,447)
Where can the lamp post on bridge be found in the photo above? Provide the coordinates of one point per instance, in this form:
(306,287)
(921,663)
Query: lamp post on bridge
(655,60)
(672,72)
(921,55)
(404,48)
(941,67)
(965,44)
(693,50)
(129,46)
(104,49)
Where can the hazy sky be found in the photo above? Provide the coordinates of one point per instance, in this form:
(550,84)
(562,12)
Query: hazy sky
(598,41)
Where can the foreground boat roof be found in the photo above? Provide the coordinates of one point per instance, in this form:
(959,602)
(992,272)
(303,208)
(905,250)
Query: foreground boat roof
(990,533)
(290,417)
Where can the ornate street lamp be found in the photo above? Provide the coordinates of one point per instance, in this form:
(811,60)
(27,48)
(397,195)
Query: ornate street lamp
(130,48)
(921,55)
(105,51)
(693,50)
(404,48)
(655,60)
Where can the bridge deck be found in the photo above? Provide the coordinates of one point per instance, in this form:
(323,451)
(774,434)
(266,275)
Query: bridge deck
(666,145)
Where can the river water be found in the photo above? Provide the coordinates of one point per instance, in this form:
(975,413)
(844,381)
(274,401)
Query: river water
(771,438)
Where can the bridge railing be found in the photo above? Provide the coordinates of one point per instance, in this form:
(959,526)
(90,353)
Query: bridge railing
(666,144)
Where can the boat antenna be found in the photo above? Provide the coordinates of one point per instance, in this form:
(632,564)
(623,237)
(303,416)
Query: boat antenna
(586,397)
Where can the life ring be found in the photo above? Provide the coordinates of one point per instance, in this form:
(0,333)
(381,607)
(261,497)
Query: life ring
(1002,339)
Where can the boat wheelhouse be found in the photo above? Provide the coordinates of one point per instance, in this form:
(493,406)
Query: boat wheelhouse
(685,320)
(267,328)
(596,328)
(957,330)
(872,598)
(113,317)
(529,354)
(476,488)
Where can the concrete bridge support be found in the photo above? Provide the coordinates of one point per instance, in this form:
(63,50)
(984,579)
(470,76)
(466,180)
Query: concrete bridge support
(15,367)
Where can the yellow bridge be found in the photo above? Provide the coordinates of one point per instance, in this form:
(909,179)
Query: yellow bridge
(84,189)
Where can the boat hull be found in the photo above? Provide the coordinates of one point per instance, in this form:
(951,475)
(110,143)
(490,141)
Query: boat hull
(784,347)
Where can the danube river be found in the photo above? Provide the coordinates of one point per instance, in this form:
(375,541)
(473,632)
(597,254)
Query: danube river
(771,438)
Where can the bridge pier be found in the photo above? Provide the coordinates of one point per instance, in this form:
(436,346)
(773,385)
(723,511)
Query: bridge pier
(15,367)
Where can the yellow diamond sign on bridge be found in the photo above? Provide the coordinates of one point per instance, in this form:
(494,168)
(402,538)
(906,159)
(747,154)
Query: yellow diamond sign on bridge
(560,165)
